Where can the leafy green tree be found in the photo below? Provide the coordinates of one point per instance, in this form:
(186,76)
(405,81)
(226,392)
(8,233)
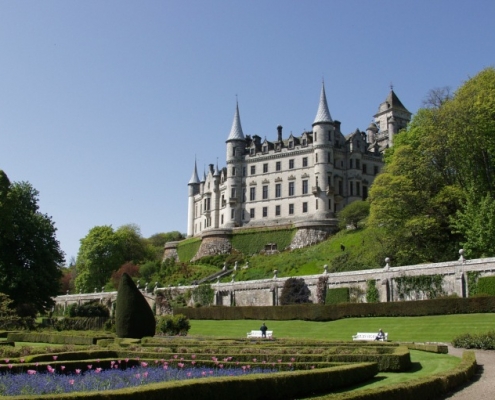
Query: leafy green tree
(100,254)
(133,246)
(30,255)
(353,214)
(158,241)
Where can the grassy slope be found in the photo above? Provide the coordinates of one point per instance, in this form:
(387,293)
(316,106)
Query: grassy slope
(408,329)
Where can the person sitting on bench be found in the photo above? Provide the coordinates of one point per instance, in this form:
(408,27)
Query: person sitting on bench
(380,335)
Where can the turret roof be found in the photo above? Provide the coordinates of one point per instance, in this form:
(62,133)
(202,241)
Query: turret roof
(323,115)
(394,101)
(194,178)
(236,130)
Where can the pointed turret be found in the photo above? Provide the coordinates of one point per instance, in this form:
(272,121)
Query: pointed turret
(194,178)
(236,131)
(323,115)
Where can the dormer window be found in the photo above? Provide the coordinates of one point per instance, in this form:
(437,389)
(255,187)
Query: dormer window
(252,151)
(265,148)
(291,144)
(304,142)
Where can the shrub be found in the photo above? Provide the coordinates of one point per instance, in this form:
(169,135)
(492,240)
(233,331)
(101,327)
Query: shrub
(484,341)
(173,325)
(295,291)
(91,309)
(372,295)
(133,315)
(486,285)
(337,296)
(203,294)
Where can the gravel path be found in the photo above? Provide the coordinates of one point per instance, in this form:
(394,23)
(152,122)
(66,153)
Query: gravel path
(482,387)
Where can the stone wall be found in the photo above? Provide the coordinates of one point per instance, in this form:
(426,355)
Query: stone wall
(170,251)
(266,292)
(214,242)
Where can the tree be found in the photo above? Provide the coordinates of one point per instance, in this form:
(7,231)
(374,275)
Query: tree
(133,315)
(99,255)
(158,241)
(353,214)
(295,291)
(30,255)
(129,268)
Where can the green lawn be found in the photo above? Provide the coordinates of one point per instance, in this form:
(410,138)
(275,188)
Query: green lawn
(441,328)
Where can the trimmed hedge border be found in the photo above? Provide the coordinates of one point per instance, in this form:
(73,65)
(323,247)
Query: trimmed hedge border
(432,387)
(53,339)
(319,312)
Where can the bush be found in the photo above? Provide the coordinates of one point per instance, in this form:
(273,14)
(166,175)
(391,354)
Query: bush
(203,295)
(372,295)
(484,341)
(337,296)
(486,285)
(295,291)
(173,325)
(133,315)
(91,309)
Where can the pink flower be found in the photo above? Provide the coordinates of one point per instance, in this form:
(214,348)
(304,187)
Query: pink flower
(90,366)
(193,362)
(22,360)
(165,366)
(189,374)
(7,361)
(211,372)
(138,376)
(144,364)
(98,370)
(71,381)
(112,363)
(221,365)
(175,356)
(78,371)
(264,362)
(145,374)
(312,367)
(126,360)
(254,359)
(62,367)
(293,359)
(193,356)
(180,365)
(31,372)
(137,358)
(55,358)
(10,366)
(203,373)
(279,361)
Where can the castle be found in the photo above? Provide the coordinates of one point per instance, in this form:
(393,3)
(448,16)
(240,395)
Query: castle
(301,181)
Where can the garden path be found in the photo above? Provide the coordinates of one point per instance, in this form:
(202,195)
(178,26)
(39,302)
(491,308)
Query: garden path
(482,387)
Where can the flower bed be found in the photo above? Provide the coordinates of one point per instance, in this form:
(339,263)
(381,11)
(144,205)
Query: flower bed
(55,380)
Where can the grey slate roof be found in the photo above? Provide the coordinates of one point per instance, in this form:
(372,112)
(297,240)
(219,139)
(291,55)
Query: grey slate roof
(323,115)
(194,178)
(236,131)
(394,101)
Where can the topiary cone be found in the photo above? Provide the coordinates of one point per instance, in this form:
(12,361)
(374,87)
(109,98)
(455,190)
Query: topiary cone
(133,315)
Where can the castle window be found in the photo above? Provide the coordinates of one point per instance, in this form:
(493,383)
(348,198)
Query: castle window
(365,192)
(330,204)
(304,142)
(278,166)
(265,168)
(305,186)
(316,157)
(291,209)
(243,215)
(221,219)
(291,144)
(291,164)
(329,157)
(315,137)
(375,170)
(291,188)
(305,161)
(233,193)
(351,188)
(277,211)
(243,171)
(351,164)
(233,171)
(305,207)
(253,169)
(278,190)
(244,195)
(365,168)
(251,212)
(265,192)
(252,151)
(265,212)
(329,136)
(358,164)
(265,149)
(316,204)
(340,187)
(252,194)
(358,189)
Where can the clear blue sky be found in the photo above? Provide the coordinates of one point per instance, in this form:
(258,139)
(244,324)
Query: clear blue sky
(105,104)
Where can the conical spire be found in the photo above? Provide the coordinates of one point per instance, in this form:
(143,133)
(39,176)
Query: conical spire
(194,178)
(236,131)
(217,171)
(323,115)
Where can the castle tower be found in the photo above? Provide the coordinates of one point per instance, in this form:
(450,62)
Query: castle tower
(235,155)
(215,198)
(193,190)
(391,117)
(323,137)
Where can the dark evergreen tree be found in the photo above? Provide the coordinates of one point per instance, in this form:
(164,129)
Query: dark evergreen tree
(295,291)
(133,315)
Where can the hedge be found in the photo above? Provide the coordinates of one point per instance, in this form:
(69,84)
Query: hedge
(54,339)
(319,312)
(486,285)
(337,296)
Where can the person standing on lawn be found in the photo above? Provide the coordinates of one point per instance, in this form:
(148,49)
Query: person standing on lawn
(263,330)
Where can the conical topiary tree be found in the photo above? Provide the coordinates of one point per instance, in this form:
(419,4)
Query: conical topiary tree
(133,315)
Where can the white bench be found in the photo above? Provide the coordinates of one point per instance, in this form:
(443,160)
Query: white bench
(257,334)
(368,336)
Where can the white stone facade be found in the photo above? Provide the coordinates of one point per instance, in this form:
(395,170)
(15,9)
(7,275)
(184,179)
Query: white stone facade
(291,180)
